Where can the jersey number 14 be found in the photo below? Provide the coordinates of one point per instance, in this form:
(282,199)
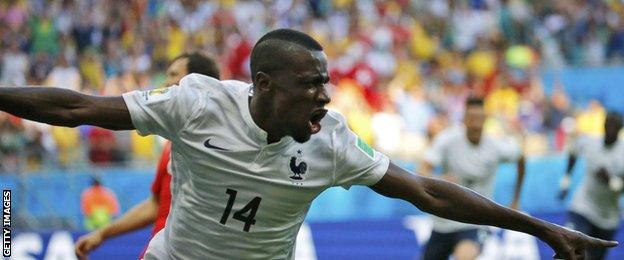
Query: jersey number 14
(241,215)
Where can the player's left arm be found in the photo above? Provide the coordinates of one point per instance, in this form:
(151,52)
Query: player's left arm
(511,149)
(454,202)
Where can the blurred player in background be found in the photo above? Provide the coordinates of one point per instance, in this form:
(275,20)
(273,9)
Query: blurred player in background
(237,193)
(468,158)
(155,209)
(594,209)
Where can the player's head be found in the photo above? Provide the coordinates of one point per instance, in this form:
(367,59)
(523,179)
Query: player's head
(613,125)
(191,63)
(474,118)
(95,181)
(289,73)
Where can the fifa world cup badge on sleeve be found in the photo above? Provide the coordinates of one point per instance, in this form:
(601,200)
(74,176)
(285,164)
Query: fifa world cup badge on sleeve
(156,94)
(365,148)
(6,223)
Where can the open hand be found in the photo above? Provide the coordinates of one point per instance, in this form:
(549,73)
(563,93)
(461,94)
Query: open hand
(572,245)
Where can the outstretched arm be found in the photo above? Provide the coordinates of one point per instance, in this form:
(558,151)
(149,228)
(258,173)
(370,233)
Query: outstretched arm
(138,217)
(62,107)
(454,202)
(515,202)
(564,183)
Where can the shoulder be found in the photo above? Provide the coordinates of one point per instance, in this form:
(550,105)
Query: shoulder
(334,132)
(208,84)
(620,144)
(587,141)
(334,121)
(206,88)
(451,134)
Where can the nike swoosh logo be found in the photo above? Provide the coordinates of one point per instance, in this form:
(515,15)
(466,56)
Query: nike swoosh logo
(208,145)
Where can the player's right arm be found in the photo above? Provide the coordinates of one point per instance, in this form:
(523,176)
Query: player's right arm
(62,107)
(138,217)
(564,183)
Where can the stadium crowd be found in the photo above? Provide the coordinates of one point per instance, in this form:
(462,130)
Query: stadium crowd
(400,70)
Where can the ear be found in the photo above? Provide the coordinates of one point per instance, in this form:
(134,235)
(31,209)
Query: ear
(262,81)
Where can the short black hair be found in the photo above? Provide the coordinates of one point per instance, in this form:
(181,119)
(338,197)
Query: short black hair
(269,53)
(200,63)
(474,101)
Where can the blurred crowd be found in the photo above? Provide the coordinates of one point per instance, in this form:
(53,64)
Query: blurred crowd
(400,70)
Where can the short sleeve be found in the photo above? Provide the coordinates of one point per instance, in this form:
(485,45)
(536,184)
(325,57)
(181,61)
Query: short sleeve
(356,163)
(508,150)
(163,111)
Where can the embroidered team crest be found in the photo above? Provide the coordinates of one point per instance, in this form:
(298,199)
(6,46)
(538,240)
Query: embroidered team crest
(297,167)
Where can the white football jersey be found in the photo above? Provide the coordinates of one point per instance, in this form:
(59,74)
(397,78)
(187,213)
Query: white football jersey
(474,165)
(233,195)
(594,199)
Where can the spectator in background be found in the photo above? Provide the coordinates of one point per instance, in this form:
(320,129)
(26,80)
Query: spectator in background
(99,205)
(44,34)
(103,149)
(388,129)
(64,75)
(41,66)
(12,142)
(15,65)
(590,121)
(457,48)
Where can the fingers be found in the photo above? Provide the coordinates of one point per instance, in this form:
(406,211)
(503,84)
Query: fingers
(83,247)
(581,253)
(79,249)
(595,242)
(567,254)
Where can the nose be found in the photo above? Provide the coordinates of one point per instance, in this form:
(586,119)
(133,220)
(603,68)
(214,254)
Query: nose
(323,96)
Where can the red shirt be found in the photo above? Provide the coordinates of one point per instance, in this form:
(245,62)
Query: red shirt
(160,189)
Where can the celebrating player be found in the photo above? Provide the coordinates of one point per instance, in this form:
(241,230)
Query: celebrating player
(594,209)
(468,158)
(235,194)
(156,208)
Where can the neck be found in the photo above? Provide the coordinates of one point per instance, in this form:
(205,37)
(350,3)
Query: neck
(475,142)
(259,111)
(609,142)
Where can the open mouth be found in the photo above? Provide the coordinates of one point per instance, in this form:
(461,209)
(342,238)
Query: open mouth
(315,120)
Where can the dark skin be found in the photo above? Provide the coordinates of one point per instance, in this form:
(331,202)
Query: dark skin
(269,109)
(613,125)
(284,100)
(474,120)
